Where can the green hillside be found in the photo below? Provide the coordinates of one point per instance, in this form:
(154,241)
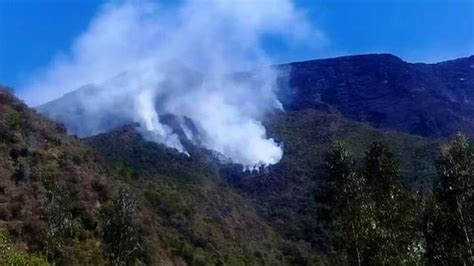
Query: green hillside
(286,195)
(191,212)
(51,186)
(292,193)
(60,198)
(65,199)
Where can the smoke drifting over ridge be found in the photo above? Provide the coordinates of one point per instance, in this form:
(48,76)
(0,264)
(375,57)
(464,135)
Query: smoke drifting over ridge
(140,60)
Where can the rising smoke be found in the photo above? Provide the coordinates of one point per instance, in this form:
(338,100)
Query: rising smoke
(141,60)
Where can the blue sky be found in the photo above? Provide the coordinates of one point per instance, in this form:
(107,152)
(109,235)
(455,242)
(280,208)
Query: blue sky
(33,31)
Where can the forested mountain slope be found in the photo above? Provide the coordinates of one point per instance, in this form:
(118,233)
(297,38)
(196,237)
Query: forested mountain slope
(68,200)
(62,200)
(288,196)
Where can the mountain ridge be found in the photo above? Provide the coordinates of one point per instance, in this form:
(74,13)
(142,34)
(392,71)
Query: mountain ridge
(433,100)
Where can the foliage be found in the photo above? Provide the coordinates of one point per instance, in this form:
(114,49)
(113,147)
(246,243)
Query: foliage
(352,210)
(450,212)
(393,229)
(50,186)
(372,214)
(58,206)
(121,231)
(11,256)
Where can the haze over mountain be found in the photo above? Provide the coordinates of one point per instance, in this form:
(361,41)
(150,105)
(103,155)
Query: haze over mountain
(146,46)
(432,100)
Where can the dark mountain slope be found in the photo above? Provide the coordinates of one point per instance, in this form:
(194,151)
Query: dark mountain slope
(425,99)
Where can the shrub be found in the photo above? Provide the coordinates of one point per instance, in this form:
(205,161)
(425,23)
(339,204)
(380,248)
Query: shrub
(10,256)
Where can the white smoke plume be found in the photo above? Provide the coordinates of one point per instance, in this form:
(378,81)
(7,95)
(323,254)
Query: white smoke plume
(136,59)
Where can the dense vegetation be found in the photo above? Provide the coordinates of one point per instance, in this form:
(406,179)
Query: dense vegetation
(51,189)
(344,193)
(377,221)
(189,211)
(146,204)
(292,194)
